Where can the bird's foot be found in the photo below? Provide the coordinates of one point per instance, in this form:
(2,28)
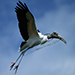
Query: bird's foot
(13,63)
(16,68)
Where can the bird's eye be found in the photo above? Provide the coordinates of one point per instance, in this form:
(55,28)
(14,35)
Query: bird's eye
(55,33)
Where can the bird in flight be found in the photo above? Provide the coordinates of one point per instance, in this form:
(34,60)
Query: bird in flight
(32,37)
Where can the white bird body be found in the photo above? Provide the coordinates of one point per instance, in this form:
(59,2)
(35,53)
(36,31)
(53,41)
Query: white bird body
(43,38)
(40,39)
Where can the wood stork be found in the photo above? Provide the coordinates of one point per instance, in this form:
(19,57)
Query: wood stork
(29,32)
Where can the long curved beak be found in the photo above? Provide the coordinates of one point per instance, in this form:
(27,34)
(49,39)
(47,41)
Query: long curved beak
(56,35)
(59,37)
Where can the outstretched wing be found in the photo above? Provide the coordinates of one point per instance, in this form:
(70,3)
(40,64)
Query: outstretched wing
(26,21)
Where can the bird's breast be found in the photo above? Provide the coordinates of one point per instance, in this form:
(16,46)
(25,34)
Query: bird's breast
(44,40)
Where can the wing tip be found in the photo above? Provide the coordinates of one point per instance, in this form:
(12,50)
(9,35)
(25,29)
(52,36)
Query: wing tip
(21,6)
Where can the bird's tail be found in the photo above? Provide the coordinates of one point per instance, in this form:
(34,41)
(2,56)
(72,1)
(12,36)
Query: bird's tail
(23,46)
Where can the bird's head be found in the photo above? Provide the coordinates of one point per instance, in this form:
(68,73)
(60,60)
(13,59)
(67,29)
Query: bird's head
(56,35)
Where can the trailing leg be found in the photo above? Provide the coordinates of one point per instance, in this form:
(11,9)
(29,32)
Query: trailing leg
(13,63)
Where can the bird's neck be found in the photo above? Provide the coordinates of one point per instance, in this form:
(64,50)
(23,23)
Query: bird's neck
(50,36)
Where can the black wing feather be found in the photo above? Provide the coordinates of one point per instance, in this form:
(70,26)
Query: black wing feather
(26,21)
(21,11)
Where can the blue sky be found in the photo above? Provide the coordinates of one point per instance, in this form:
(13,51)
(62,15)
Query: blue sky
(50,15)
